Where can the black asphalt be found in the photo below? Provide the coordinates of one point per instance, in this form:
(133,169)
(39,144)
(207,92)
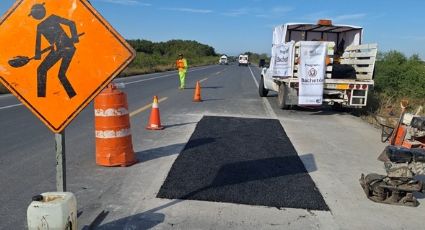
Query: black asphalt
(244,161)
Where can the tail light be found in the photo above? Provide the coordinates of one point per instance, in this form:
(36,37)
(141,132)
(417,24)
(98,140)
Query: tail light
(364,86)
(358,86)
(351,86)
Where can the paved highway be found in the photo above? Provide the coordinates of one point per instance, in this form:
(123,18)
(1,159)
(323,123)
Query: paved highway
(334,147)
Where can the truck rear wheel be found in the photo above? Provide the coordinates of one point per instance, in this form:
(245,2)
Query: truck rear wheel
(281,101)
(261,90)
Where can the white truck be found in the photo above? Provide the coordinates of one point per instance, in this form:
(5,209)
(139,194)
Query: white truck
(348,67)
(223,60)
(243,60)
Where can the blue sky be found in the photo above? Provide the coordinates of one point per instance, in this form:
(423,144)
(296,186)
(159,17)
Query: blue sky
(234,26)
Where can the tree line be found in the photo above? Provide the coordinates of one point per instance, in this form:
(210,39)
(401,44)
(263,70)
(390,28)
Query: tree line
(161,56)
(173,48)
(396,77)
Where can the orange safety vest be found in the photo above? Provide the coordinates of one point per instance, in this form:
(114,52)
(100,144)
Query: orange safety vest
(180,64)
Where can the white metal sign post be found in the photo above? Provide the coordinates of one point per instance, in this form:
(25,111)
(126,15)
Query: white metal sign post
(60,162)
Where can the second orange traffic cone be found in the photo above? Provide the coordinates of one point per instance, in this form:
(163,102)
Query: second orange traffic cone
(197,95)
(155,120)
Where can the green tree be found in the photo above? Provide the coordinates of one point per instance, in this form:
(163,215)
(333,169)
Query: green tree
(398,76)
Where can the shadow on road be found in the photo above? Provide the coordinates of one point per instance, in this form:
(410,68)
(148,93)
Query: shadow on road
(213,99)
(199,141)
(320,111)
(151,154)
(309,162)
(141,221)
(181,124)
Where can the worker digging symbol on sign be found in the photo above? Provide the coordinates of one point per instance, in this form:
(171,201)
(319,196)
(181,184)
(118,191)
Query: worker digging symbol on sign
(181,64)
(61,48)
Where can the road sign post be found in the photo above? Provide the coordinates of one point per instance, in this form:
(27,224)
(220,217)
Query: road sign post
(56,56)
(60,162)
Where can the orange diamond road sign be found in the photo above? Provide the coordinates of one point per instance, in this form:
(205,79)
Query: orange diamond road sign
(55,56)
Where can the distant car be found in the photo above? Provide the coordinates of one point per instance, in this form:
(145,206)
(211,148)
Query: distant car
(243,60)
(223,60)
(262,63)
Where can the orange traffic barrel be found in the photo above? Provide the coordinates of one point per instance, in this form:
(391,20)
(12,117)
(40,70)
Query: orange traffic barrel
(114,146)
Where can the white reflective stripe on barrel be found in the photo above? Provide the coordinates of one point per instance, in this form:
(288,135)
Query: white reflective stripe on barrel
(112,133)
(110,112)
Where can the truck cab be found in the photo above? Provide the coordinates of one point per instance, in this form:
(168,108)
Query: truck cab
(223,60)
(348,67)
(243,60)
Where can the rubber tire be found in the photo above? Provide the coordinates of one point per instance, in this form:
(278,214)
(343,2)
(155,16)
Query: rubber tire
(281,103)
(261,90)
(337,107)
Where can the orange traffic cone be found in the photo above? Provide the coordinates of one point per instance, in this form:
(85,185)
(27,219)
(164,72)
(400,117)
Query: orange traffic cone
(197,95)
(155,120)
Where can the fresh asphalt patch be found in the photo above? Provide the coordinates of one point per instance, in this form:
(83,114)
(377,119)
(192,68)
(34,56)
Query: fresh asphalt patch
(243,161)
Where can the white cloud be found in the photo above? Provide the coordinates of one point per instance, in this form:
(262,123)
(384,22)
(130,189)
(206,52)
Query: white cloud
(126,2)
(337,19)
(190,10)
(349,17)
(237,12)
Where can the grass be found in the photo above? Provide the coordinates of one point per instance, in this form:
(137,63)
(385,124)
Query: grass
(147,63)
(388,108)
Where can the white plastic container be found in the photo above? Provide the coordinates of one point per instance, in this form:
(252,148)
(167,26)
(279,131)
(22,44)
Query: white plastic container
(53,210)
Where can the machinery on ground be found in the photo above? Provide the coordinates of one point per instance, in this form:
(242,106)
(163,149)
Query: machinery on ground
(403,159)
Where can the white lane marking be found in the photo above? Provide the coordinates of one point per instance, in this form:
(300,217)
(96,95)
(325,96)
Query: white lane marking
(146,107)
(10,106)
(123,79)
(167,75)
(265,101)
(217,73)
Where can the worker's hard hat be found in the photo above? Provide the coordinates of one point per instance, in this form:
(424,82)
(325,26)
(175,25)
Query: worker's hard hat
(38,11)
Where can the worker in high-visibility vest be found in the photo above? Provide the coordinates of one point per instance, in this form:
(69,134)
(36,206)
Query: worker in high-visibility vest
(181,64)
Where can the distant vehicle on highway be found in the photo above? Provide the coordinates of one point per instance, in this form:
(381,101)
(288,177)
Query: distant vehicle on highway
(343,76)
(262,63)
(243,60)
(223,60)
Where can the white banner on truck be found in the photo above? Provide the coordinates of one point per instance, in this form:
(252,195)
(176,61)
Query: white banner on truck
(281,62)
(312,72)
